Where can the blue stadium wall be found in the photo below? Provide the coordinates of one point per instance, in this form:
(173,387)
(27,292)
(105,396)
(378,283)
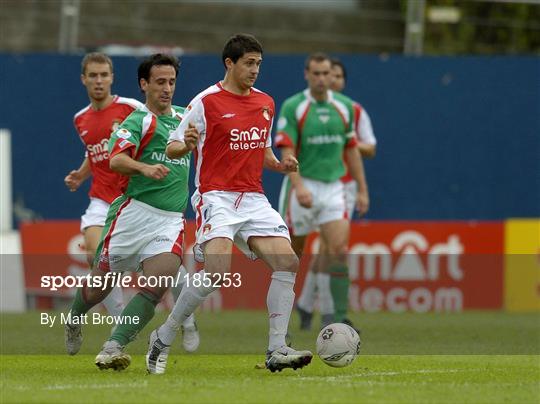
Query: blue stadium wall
(459,138)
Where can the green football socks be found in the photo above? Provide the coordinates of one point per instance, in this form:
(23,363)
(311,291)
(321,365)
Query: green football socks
(138,312)
(80,307)
(339,286)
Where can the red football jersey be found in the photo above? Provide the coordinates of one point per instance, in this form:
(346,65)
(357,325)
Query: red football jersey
(94,129)
(234,134)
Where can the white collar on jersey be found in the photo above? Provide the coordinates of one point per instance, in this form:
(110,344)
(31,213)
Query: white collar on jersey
(174,113)
(329,96)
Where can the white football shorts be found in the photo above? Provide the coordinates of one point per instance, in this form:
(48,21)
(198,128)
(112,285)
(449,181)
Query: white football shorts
(329,204)
(95,215)
(236,216)
(350,195)
(138,231)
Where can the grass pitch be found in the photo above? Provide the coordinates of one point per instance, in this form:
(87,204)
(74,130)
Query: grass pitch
(407,358)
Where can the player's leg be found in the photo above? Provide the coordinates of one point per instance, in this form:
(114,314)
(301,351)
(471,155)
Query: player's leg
(291,211)
(217,223)
(159,270)
(86,297)
(214,237)
(278,254)
(190,332)
(217,258)
(162,267)
(350,196)
(306,301)
(336,235)
(300,222)
(334,224)
(297,244)
(317,282)
(92,235)
(322,281)
(111,237)
(114,302)
(135,236)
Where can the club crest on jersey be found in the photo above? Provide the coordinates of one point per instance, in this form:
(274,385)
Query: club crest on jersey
(324,118)
(123,134)
(206,228)
(266,113)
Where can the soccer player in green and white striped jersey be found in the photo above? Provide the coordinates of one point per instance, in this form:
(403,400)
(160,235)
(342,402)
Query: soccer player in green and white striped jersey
(339,285)
(145,226)
(317,126)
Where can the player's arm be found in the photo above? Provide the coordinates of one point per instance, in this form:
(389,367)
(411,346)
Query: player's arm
(186,136)
(303,195)
(180,145)
(367,150)
(123,163)
(286,141)
(123,145)
(367,144)
(176,149)
(356,169)
(287,165)
(76,177)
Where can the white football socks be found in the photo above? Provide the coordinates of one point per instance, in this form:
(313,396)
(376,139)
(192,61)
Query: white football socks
(114,302)
(179,282)
(280,300)
(326,303)
(177,289)
(190,298)
(306,301)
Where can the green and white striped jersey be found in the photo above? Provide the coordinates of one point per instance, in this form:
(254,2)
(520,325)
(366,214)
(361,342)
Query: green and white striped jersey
(144,135)
(319,131)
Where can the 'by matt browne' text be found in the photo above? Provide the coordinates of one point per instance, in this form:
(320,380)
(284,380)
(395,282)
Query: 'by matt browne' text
(93,318)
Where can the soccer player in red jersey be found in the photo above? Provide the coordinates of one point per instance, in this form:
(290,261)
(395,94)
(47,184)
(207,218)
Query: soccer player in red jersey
(231,123)
(94,124)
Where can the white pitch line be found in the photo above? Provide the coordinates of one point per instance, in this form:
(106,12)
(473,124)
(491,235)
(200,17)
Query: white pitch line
(395,373)
(94,386)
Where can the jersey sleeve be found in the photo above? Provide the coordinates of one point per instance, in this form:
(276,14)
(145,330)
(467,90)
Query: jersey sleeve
(79,130)
(193,114)
(126,138)
(351,139)
(132,103)
(269,138)
(363,127)
(287,126)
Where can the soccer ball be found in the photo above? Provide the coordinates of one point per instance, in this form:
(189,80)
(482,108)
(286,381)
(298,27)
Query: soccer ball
(338,345)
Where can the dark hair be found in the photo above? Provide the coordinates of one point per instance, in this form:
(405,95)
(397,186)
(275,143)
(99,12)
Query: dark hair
(95,57)
(315,57)
(238,45)
(157,59)
(339,63)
